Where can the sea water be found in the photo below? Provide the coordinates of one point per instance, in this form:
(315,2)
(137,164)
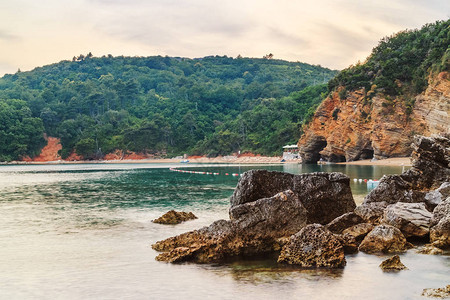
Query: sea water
(84,231)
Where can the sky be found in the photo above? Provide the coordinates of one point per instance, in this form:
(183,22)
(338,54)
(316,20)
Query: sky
(332,33)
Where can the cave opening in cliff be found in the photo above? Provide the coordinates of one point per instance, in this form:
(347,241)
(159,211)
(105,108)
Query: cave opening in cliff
(366,154)
(319,144)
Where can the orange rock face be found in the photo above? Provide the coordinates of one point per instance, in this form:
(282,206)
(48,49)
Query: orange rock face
(49,152)
(357,127)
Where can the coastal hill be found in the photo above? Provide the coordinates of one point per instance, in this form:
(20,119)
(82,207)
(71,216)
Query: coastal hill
(375,108)
(98,107)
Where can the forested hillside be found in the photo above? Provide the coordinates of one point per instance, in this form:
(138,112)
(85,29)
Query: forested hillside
(163,105)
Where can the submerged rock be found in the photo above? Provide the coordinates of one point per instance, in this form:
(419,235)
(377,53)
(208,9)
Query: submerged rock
(343,222)
(392,264)
(313,246)
(255,228)
(437,293)
(413,219)
(175,217)
(384,239)
(430,249)
(324,195)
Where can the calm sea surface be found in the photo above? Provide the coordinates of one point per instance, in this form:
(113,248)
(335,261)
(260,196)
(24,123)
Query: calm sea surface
(84,232)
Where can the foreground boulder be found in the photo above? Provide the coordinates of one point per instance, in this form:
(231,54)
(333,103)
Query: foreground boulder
(392,264)
(384,239)
(359,231)
(324,195)
(430,169)
(413,219)
(255,228)
(440,222)
(313,246)
(371,212)
(343,222)
(175,217)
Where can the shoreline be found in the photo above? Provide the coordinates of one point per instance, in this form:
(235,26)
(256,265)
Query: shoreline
(396,161)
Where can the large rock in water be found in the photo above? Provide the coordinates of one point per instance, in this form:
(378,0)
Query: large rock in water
(174,217)
(255,228)
(384,239)
(313,246)
(392,264)
(371,212)
(324,195)
(430,169)
(440,225)
(413,219)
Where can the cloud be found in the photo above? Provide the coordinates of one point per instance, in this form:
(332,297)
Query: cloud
(6,36)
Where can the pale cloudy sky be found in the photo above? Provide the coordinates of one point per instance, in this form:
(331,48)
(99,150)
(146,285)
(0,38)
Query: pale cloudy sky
(332,33)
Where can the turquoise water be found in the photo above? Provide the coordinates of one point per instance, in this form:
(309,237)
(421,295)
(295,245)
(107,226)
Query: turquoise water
(84,231)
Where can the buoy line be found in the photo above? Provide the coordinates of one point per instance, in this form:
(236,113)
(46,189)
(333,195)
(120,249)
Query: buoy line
(356,180)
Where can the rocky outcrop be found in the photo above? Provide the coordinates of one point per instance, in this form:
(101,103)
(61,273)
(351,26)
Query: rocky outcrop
(433,198)
(430,170)
(371,212)
(440,222)
(324,195)
(343,222)
(413,219)
(313,246)
(350,126)
(175,217)
(437,293)
(392,264)
(256,228)
(359,231)
(430,249)
(384,239)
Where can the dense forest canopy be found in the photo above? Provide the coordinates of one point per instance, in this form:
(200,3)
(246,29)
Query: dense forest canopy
(401,63)
(165,105)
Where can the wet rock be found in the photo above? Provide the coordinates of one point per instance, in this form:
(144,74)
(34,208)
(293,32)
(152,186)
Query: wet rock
(384,239)
(430,169)
(349,243)
(175,217)
(413,219)
(255,228)
(371,212)
(324,195)
(437,293)
(392,264)
(343,222)
(313,246)
(359,231)
(440,222)
(433,198)
(430,249)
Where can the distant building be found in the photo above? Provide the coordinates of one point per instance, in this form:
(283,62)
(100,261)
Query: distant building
(290,152)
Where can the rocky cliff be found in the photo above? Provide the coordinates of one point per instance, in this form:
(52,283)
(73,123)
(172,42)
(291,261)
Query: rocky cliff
(349,126)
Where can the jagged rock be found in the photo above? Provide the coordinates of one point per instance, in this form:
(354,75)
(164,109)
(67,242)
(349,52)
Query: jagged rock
(433,198)
(430,249)
(324,195)
(384,239)
(349,242)
(343,222)
(413,219)
(359,231)
(175,217)
(430,169)
(371,212)
(437,293)
(440,222)
(392,264)
(393,189)
(255,228)
(313,246)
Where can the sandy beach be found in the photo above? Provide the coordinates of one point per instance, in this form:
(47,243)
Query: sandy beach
(397,161)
